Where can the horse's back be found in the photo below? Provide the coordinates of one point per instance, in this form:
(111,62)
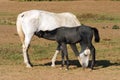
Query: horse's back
(70,19)
(45,20)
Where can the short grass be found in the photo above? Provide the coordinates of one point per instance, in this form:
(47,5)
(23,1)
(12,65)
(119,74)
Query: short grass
(106,50)
(7,18)
(10,19)
(98,18)
(10,54)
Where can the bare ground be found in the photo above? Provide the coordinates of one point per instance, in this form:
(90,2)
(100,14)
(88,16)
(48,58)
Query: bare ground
(8,35)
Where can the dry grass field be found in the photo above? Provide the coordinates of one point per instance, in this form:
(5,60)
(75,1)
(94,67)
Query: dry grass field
(107,51)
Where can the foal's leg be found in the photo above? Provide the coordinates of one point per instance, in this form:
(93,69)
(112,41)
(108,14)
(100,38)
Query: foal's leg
(65,53)
(93,56)
(63,58)
(55,55)
(74,48)
(25,50)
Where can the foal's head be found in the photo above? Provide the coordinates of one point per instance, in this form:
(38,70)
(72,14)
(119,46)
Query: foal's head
(84,58)
(39,34)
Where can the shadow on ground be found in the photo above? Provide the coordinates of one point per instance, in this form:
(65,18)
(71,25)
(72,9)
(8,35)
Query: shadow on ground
(99,63)
(106,63)
(72,62)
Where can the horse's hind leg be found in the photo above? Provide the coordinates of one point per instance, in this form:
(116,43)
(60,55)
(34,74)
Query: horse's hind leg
(25,50)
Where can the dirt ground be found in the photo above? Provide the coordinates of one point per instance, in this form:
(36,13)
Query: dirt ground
(8,35)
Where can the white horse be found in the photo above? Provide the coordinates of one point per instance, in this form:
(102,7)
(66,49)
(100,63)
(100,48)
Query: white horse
(29,22)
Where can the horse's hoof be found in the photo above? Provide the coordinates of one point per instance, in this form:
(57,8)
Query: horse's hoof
(29,66)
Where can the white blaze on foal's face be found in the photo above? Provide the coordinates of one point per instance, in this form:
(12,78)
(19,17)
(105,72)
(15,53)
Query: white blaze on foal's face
(84,58)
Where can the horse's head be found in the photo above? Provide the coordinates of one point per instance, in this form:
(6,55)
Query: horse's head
(84,58)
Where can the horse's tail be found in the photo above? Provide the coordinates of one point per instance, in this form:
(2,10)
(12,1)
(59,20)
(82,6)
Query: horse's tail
(19,28)
(96,34)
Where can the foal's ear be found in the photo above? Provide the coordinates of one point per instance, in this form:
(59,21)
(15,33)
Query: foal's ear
(39,34)
(87,48)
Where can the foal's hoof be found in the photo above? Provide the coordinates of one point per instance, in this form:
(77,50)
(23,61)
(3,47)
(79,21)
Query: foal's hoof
(61,68)
(52,65)
(66,69)
(92,69)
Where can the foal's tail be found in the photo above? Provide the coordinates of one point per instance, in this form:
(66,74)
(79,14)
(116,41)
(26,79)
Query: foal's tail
(19,28)
(96,34)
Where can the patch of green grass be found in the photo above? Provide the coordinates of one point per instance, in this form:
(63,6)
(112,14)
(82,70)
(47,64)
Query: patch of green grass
(10,19)
(7,21)
(10,54)
(98,18)
(109,50)
(6,14)
(41,52)
(115,27)
(7,18)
